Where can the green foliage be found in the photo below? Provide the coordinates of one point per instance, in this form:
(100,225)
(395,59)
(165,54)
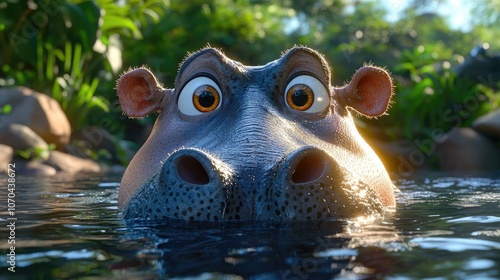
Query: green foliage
(492,95)
(431,99)
(74,90)
(127,19)
(70,49)
(97,155)
(52,23)
(35,153)
(486,13)
(63,48)
(252,32)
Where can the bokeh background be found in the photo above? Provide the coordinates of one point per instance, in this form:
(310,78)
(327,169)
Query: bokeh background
(440,53)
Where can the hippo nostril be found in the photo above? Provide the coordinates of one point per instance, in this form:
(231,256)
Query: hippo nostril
(191,170)
(309,168)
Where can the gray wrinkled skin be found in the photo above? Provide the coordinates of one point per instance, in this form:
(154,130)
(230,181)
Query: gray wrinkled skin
(253,158)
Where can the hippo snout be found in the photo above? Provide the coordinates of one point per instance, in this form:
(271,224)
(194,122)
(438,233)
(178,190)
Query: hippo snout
(293,186)
(306,184)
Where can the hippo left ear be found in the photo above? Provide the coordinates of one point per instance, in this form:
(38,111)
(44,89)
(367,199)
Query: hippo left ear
(139,93)
(369,91)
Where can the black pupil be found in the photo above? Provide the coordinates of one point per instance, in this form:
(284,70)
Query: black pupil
(206,99)
(299,97)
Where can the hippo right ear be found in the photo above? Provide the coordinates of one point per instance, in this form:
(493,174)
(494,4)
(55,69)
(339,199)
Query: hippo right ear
(140,93)
(369,91)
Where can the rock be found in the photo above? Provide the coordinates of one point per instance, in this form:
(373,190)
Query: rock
(402,157)
(95,139)
(33,168)
(70,164)
(22,138)
(39,112)
(488,124)
(6,154)
(480,65)
(466,150)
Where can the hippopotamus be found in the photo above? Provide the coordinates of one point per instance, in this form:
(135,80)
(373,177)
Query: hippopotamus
(270,143)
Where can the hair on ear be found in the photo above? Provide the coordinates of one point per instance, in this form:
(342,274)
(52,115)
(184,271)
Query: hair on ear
(369,92)
(139,92)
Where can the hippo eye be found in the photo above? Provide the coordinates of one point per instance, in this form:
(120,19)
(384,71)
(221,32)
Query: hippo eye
(300,97)
(200,95)
(307,94)
(206,98)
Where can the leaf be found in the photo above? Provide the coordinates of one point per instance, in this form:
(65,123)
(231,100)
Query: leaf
(404,67)
(39,55)
(77,59)
(6,109)
(100,102)
(84,18)
(68,50)
(112,22)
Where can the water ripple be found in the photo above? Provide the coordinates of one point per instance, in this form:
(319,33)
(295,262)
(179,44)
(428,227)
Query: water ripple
(476,219)
(454,244)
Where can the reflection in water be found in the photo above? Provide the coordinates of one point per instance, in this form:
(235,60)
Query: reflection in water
(293,251)
(445,227)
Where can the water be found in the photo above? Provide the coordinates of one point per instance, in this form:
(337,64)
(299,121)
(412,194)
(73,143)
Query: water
(70,228)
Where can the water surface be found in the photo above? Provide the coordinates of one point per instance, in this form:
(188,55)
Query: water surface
(70,228)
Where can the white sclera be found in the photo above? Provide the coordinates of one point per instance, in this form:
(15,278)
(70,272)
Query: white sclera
(321,98)
(185,102)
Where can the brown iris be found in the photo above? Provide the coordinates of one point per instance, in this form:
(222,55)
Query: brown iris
(300,97)
(206,98)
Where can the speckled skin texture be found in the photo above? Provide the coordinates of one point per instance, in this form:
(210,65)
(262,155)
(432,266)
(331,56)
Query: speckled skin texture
(254,157)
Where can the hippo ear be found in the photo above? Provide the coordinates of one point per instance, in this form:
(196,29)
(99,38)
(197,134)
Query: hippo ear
(139,93)
(369,91)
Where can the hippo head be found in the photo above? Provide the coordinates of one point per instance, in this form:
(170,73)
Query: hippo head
(262,143)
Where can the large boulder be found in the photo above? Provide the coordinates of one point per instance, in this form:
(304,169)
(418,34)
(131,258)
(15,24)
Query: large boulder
(480,66)
(402,158)
(39,112)
(6,155)
(67,163)
(22,138)
(466,150)
(488,124)
(34,168)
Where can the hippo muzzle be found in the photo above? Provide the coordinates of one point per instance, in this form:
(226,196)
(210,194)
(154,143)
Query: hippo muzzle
(270,163)
(306,184)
